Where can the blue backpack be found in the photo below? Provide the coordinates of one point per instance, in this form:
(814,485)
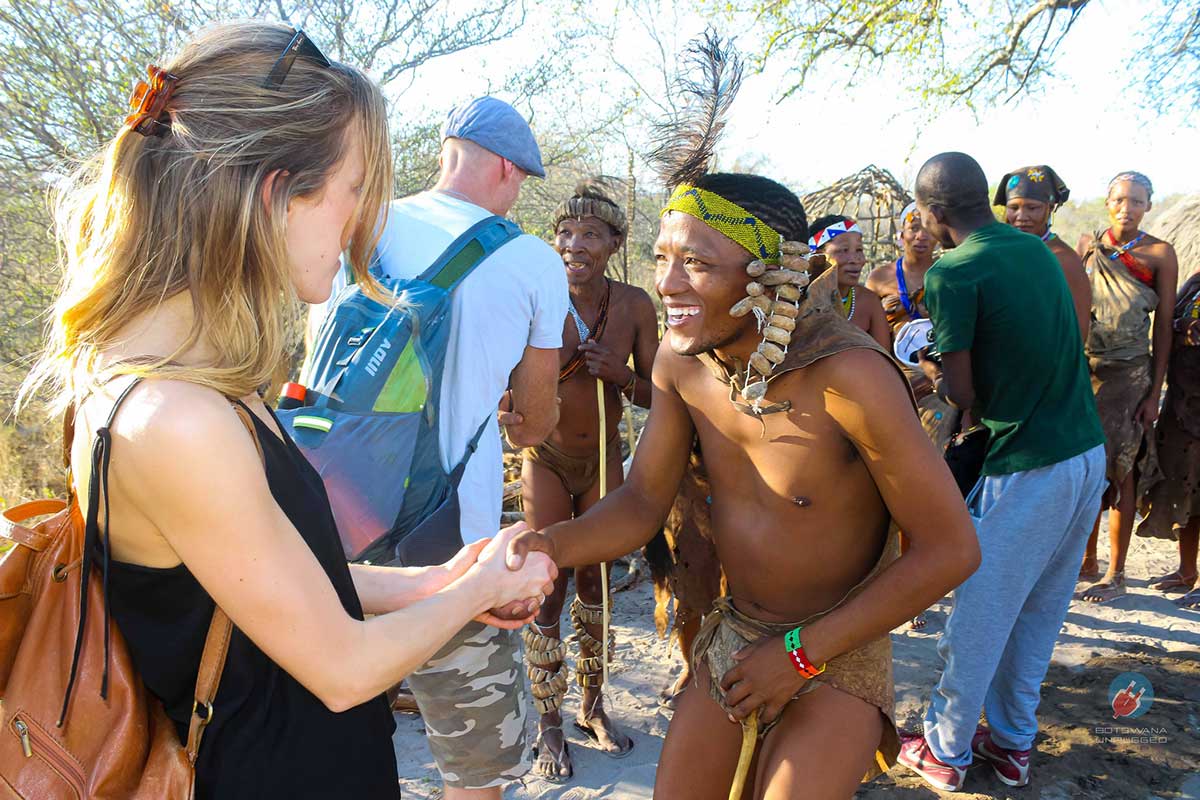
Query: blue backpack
(370,423)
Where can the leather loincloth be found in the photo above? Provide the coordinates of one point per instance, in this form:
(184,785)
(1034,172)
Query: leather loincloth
(577,473)
(865,673)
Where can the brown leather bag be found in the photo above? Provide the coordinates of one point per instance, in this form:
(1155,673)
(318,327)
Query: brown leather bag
(78,721)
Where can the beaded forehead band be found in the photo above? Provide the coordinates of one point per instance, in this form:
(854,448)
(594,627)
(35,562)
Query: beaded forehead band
(728,218)
(823,236)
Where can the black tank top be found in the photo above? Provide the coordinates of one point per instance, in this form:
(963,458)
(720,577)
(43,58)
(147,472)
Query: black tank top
(269,737)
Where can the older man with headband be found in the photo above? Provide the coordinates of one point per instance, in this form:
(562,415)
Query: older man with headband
(608,322)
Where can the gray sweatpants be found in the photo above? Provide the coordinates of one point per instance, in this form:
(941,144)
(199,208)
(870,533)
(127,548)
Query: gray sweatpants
(1032,528)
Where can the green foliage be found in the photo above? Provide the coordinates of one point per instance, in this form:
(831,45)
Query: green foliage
(950,49)
(972,51)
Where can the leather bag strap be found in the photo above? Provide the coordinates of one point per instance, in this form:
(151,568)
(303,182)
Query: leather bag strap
(216,644)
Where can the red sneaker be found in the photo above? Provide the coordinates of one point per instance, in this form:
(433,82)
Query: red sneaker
(1010,766)
(916,755)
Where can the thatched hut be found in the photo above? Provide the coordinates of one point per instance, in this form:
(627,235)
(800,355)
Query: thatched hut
(1179,224)
(872,196)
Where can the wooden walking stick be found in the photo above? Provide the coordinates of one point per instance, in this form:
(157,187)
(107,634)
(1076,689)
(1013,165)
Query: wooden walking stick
(749,739)
(603,491)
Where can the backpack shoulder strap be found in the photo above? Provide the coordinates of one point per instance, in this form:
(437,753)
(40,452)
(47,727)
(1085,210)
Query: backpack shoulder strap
(469,250)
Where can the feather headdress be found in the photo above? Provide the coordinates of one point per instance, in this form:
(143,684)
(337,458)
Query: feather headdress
(683,146)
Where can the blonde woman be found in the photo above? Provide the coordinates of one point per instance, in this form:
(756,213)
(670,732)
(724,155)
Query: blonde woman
(250,164)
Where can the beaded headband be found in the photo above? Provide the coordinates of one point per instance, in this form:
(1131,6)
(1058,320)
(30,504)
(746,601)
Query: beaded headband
(824,235)
(728,218)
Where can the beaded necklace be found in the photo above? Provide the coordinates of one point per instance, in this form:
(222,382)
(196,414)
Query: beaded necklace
(580,326)
(902,284)
(1122,249)
(848,304)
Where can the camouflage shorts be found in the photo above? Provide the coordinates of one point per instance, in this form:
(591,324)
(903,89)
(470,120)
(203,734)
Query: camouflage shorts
(473,700)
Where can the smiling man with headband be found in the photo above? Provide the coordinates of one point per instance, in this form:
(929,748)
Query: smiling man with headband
(810,447)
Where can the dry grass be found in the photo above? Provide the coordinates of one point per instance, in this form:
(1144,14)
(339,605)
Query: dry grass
(1179,224)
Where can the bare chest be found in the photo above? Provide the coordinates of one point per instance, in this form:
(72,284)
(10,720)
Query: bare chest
(795,457)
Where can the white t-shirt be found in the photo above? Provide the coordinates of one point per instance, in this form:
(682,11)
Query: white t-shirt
(517,297)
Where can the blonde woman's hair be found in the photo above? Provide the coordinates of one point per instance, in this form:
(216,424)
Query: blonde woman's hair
(152,217)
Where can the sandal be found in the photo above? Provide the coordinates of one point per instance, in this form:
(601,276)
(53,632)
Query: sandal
(1104,591)
(588,731)
(1173,581)
(555,765)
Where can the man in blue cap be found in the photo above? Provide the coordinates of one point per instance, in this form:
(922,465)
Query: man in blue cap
(508,321)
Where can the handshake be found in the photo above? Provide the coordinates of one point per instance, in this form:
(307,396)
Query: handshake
(511,573)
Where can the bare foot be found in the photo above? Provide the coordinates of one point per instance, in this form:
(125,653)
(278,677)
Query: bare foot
(552,757)
(918,622)
(600,729)
(1110,588)
(1175,581)
(1089,570)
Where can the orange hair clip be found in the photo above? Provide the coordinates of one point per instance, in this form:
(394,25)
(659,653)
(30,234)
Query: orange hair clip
(148,101)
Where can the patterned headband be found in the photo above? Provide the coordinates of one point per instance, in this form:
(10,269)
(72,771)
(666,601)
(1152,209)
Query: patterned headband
(824,235)
(908,213)
(579,207)
(1135,177)
(727,218)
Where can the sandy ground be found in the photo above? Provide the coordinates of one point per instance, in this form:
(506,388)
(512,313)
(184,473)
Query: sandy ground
(1076,757)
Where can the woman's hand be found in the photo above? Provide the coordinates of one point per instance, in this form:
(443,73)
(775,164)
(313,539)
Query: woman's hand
(514,596)
(1147,411)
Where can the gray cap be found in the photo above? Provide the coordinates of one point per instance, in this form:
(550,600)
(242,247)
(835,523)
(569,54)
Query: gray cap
(496,126)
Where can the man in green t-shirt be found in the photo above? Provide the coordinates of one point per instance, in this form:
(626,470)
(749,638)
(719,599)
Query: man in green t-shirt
(1013,358)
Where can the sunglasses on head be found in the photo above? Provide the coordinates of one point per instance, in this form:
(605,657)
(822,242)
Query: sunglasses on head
(300,45)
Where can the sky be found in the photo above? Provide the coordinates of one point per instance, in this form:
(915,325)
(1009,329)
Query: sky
(1082,121)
